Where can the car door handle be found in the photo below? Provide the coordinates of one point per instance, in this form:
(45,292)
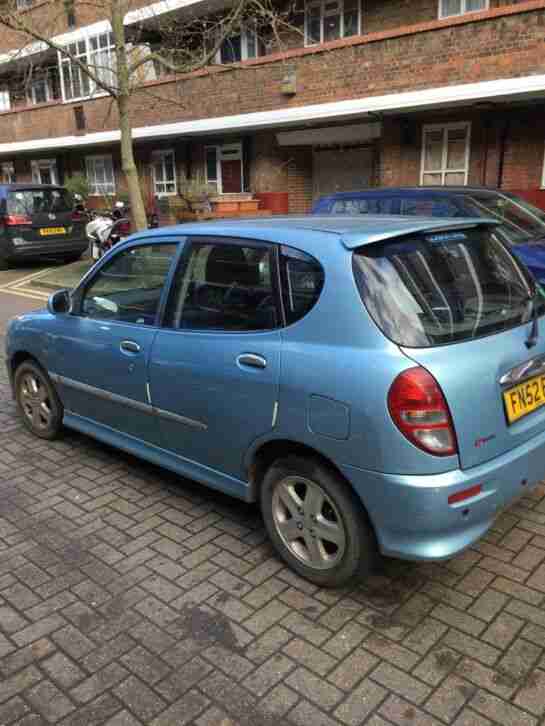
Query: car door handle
(129,346)
(252,360)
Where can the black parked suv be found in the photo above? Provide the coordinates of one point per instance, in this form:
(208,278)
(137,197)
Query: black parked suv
(39,221)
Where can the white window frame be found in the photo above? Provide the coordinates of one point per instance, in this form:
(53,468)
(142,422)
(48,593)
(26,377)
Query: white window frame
(445,128)
(245,31)
(91,161)
(321,4)
(217,180)
(7,172)
(162,154)
(24,4)
(463,10)
(49,164)
(65,63)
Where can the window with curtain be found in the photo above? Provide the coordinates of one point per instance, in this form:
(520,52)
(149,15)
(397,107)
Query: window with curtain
(100,175)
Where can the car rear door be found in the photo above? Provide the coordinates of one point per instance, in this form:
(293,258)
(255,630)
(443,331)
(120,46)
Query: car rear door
(215,366)
(41,215)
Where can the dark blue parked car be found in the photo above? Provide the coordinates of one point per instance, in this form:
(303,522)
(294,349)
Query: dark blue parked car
(522,225)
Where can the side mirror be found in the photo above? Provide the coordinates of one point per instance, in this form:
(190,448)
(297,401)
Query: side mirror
(59,302)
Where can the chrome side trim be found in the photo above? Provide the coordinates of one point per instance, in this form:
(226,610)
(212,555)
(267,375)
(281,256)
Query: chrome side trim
(130,403)
(169,416)
(275,414)
(522,372)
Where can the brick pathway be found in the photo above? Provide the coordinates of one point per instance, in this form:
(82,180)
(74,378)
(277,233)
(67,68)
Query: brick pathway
(130,597)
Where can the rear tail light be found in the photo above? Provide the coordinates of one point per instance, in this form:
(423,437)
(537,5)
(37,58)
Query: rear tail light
(419,410)
(13,220)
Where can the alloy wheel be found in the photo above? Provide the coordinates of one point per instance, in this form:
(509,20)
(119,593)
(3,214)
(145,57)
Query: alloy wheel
(35,402)
(308,522)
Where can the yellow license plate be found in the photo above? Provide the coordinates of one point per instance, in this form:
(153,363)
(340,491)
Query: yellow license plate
(45,231)
(524,398)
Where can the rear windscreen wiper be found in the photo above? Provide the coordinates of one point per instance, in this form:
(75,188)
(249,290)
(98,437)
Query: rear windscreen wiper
(534,330)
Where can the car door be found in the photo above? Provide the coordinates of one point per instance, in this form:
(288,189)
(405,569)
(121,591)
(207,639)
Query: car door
(215,364)
(103,347)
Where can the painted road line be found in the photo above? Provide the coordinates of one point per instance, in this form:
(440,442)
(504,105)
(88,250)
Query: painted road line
(32,296)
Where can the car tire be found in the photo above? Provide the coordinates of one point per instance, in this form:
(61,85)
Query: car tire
(40,406)
(4,264)
(303,504)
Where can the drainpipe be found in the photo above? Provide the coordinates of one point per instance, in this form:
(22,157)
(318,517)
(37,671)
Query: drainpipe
(503,145)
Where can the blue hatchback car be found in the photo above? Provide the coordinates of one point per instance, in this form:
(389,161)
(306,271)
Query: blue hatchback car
(520,224)
(376,384)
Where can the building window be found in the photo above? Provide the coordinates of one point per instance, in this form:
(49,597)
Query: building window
(39,91)
(445,154)
(24,4)
(75,83)
(44,171)
(449,8)
(97,52)
(211,165)
(100,175)
(327,20)
(7,172)
(164,172)
(5,103)
(240,47)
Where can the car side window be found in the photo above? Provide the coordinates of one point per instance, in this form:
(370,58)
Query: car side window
(224,286)
(128,288)
(436,207)
(302,283)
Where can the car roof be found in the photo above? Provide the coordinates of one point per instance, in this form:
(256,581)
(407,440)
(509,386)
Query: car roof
(411,191)
(310,232)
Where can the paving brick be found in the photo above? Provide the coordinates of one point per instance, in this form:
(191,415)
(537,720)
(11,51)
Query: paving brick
(472,647)
(305,628)
(531,696)
(503,630)
(13,710)
(306,713)
(278,701)
(74,642)
(500,711)
(63,670)
(401,683)
(450,697)
(107,653)
(402,713)
(274,670)
(140,699)
(314,688)
(344,642)
(50,701)
(123,718)
(460,620)
(19,682)
(353,669)
(268,644)
(360,703)
(95,713)
(306,654)
(25,656)
(94,686)
(396,654)
(145,665)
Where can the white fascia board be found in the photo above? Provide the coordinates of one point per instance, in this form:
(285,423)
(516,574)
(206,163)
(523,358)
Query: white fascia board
(157,9)
(505,89)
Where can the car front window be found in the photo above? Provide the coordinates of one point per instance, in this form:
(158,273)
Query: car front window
(520,221)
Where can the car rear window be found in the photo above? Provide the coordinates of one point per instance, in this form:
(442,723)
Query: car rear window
(444,287)
(38,201)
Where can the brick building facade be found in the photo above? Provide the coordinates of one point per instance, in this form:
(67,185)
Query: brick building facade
(430,92)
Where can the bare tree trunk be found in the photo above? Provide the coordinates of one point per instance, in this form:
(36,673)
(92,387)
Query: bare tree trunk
(123,105)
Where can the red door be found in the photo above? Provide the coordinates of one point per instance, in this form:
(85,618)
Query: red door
(231,176)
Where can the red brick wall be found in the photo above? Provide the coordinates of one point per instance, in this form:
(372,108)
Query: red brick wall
(521,130)
(497,47)
(300,181)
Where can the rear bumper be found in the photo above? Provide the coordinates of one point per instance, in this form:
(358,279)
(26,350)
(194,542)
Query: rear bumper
(411,514)
(51,248)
